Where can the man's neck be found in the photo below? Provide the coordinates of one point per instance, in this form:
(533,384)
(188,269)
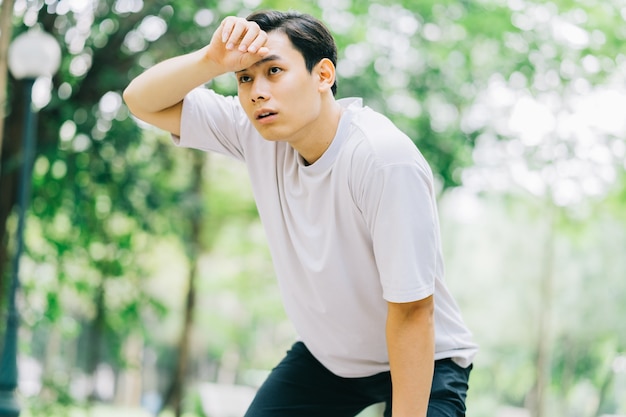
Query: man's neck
(320,134)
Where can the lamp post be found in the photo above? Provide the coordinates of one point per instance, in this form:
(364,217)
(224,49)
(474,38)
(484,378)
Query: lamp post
(32,54)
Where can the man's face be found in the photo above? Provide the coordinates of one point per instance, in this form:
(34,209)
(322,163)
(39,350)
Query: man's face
(279,95)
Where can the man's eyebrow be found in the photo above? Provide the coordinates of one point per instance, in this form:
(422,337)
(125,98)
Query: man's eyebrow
(262,61)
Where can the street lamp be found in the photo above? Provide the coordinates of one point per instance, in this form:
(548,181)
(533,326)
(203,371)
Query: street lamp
(32,54)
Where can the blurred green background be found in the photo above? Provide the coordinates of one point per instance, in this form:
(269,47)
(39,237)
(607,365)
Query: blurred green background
(147,287)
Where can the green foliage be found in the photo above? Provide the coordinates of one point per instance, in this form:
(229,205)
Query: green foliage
(498,259)
(114,212)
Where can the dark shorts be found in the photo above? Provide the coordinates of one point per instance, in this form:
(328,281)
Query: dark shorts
(300,386)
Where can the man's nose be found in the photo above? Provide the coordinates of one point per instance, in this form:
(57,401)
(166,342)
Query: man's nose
(260,90)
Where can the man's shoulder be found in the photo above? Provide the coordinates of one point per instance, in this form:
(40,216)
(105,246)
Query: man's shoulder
(214,122)
(378,137)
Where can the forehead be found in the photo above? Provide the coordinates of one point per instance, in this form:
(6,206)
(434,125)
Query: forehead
(280,45)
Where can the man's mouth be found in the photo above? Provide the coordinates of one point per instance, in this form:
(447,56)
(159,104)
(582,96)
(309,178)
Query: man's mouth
(264,115)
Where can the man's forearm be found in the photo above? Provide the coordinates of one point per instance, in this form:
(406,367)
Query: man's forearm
(167,83)
(410,342)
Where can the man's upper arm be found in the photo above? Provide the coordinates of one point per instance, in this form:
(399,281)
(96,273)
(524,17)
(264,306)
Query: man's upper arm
(401,215)
(419,309)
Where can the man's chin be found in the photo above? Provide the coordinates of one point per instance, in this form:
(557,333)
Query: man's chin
(273,133)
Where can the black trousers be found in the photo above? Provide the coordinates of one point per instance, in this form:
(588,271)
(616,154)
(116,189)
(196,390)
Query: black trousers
(300,386)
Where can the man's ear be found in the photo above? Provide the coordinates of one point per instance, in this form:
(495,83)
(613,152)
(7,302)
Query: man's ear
(325,70)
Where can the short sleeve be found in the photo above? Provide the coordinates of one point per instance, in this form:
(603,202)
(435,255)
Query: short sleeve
(212,122)
(401,213)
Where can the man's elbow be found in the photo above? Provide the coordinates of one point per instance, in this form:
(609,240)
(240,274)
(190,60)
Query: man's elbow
(136,105)
(130,98)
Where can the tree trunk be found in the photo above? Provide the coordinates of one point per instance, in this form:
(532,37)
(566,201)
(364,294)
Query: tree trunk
(544,342)
(95,341)
(605,391)
(6,30)
(175,393)
(130,387)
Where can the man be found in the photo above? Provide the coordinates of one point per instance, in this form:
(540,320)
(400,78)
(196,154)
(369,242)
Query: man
(348,205)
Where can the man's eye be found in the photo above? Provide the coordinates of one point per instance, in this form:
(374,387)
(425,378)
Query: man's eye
(244,79)
(275,70)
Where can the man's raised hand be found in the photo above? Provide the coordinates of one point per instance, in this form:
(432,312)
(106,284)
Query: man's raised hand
(237,44)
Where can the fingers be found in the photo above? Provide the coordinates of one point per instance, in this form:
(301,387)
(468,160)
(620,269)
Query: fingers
(240,34)
(253,40)
(236,44)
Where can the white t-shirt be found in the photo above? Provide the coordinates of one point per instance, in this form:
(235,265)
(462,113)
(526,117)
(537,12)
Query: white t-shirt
(348,233)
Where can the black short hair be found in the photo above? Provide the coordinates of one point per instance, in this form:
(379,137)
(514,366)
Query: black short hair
(307,34)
